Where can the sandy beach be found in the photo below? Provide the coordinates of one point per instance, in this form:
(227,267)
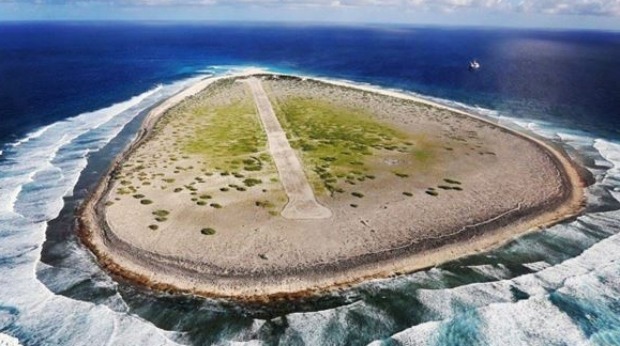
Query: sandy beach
(189,209)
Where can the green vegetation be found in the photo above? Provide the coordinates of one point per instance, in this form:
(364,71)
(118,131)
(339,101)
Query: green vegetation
(452,181)
(146,201)
(264,204)
(337,142)
(138,196)
(153,227)
(249,182)
(161,213)
(207,231)
(231,133)
(216,206)
(432,192)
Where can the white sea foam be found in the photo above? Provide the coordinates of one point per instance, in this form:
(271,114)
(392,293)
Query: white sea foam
(32,135)
(7,340)
(36,173)
(52,169)
(591,276)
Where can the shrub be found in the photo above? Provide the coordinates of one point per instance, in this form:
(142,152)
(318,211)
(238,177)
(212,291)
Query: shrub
(224,189)
(153,227)
(138,196)
(207,231)
(353,205)
(408,194)
(205,197)
(161,219)
(357,194)
(452,181)
(249,182)
(216,205)
(432,192)
(161,213)
(264,204)
(401,175)
(201,203)
(178,189)
(146,201)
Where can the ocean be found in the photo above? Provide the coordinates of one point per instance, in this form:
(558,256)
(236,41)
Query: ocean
(72,95)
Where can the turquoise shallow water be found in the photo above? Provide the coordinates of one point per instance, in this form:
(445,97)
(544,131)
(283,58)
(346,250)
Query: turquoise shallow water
(560,286)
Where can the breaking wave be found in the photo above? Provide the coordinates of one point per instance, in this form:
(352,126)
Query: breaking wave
(559,286)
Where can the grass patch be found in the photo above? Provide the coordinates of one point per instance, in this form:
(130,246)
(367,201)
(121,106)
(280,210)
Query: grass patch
(233,131)
(335,140)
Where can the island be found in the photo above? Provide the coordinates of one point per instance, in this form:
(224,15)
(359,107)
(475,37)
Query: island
(267,186)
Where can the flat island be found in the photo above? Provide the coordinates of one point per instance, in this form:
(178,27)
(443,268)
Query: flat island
(266,186)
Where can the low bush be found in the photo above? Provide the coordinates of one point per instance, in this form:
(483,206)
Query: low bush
(207,231)
(249,182)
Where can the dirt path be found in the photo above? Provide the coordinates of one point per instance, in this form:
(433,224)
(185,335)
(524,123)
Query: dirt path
(302,203)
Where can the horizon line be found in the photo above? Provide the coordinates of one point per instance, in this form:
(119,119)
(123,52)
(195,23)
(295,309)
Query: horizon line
(310,23)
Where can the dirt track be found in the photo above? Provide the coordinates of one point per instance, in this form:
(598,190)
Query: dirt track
(302,203)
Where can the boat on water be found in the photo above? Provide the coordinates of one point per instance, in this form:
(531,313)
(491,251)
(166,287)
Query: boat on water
(474,65)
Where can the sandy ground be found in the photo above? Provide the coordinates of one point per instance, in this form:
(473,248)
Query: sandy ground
(511,183)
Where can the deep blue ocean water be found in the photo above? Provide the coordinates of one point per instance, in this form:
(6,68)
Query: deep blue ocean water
(72,96)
